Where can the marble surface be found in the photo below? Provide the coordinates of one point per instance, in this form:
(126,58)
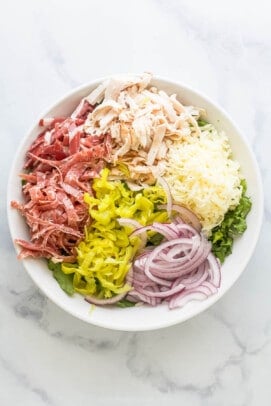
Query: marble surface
(223,356)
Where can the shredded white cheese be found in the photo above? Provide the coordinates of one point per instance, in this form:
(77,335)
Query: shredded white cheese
(203,177)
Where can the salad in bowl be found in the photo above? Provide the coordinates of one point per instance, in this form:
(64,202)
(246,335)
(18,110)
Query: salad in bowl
(132,198)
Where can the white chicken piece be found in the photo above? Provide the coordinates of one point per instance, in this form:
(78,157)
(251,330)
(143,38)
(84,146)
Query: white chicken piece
(97,95)
(158,137)
(179,108)
(163,100)
(103,115)
(120,83)
(124,149)
(142,127)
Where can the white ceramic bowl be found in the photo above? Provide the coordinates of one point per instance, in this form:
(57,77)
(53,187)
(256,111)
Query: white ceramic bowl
(144,317)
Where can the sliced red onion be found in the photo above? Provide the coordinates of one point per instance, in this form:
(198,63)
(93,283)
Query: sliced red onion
(131,298)
(129,222)
(185,298)
(162,293)
(153,301)
(186,229)
(172,269)
(102,302)
(167,234)
(159,281)
(186,215)
(210,286)
(197,280)
(166,230)
(140,264)
(137,225)
(134,187)
(166,188)
(178,270)
(177,220)
(203,289)
(214,270)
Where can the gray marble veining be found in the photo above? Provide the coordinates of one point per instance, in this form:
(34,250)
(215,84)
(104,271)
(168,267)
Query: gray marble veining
(223,356)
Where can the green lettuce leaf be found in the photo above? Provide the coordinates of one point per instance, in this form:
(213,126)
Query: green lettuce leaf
(65,281)
(234,224)
(125,303)
(155,239)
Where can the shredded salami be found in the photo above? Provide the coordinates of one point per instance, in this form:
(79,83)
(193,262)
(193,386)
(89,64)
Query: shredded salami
(60,165)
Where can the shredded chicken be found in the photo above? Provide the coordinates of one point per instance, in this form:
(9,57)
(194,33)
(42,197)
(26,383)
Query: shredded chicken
(143,123)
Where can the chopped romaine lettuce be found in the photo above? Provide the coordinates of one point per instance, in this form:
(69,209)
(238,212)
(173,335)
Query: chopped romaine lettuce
(234,224)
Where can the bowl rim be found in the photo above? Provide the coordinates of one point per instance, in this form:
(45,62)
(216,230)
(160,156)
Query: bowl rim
(205,304)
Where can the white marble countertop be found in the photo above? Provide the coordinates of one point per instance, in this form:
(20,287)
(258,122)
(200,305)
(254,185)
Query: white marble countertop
(221,357)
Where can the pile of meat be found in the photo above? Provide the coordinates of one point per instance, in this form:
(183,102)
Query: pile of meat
(144,123)
(59,167)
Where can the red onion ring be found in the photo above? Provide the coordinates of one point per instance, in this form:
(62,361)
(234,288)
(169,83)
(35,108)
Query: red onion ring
(168,234)
(187,297)
(164,293)
(102,302)
(186,215)
(137,225)
(210,286)
(214,270)
(166,188)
